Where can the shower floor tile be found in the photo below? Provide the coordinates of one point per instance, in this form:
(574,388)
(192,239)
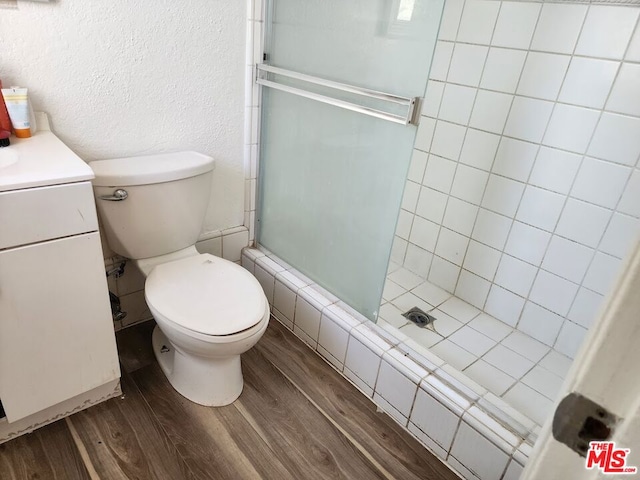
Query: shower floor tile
(508,363)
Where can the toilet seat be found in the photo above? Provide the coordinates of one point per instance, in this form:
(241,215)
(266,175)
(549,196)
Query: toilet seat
(206,295)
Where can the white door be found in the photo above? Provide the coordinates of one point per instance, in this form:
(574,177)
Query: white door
(601,396)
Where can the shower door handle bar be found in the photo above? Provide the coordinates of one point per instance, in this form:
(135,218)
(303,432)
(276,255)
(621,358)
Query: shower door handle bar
(410,102)
(335,102)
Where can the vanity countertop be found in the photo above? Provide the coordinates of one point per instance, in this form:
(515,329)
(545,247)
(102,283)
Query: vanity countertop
(39,161)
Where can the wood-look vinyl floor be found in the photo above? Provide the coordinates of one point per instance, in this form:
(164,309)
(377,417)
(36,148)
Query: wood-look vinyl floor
(296,419)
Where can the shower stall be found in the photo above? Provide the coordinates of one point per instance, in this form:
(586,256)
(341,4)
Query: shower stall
(444,200)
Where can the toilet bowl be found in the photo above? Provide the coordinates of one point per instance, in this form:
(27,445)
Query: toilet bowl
(208,310)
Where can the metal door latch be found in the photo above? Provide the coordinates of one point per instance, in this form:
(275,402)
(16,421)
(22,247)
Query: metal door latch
(578,421)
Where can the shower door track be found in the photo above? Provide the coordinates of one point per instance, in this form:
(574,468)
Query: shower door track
(411,103)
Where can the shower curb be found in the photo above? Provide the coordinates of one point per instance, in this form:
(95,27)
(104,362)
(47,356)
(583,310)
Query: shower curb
(310,310)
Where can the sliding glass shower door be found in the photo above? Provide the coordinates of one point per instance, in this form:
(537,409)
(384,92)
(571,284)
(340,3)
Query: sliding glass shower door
(340,81)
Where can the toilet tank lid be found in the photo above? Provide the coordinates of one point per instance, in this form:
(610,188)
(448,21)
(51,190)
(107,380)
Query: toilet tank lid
(147,169)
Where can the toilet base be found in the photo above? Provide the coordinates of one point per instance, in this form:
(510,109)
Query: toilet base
(209,381)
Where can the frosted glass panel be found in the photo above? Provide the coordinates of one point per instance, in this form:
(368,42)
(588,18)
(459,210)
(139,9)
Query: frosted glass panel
(331,180)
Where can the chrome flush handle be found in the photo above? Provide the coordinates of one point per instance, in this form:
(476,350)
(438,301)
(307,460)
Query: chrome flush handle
(118,195)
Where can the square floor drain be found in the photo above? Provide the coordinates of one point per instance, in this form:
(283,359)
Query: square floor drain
(419,317)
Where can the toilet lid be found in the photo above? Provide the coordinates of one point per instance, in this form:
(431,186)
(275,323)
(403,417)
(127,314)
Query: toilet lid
(206,294)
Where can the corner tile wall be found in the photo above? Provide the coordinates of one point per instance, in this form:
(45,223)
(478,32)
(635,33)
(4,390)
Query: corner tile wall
(523,193)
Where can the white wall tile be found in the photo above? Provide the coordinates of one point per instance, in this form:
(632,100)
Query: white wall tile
(478,19)
(540,208)
(490,327)
(432,98)
(516,23)
(555,169)
(457,102)
(583,222)
(450,19)
(527,243)
(451,246)
(232,245)
(633,53)
(543,381)
(441,60)
(491,228)
(502,195)
(542,75)
(617,138)
(417,166)
(602,273)
(531,403)
(567,259)
(424,135)
(447,140)
(553,292)
(600,182)
(630,201)
(389,409)
(607,31)
(307,318)
(495,380)
(266,281)
(490,111)
(504,305)
(284,299)
(508,361)
(362,361)
(453,354)
(403,226)
(585,307)
(478,454)
(466,64)
(472,288)
(622,231)
(444,273)
(469,184)
(459,309)
(432,416)
(540,323)
(460,216)
(418,260)
(502,69)
(479,149)
(410,196)
(460,469)
(424,233)
(398,250)
(625,97)
(431,204)
(396,388)
(472,341)
(557,363)
(528,119)
(482,260)
(423,438)
(570,128)
(570,339)
(514,471)
(588,82)
(514,159)
(515,275)
(333,338)
(558,27)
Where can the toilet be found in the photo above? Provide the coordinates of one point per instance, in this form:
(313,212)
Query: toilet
(208,310)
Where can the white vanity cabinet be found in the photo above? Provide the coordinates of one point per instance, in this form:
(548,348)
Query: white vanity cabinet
(57,343)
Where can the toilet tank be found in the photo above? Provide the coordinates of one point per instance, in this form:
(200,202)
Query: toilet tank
(166,200)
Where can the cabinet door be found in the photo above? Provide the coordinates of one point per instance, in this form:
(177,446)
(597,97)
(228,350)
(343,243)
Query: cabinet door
(56,334)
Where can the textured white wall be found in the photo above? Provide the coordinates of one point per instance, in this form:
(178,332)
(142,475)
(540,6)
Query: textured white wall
(122,78)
